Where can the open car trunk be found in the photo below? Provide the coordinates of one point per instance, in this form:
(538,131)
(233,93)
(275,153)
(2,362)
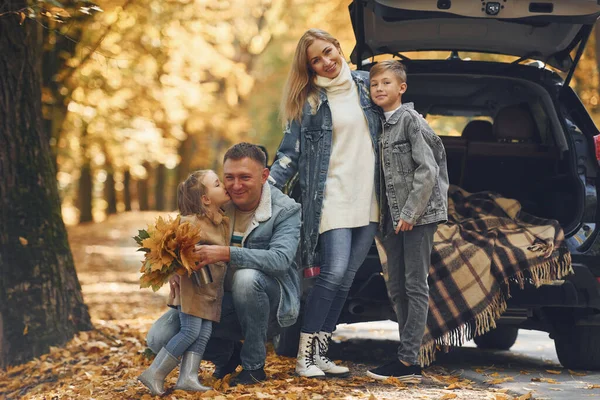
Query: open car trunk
(515,147)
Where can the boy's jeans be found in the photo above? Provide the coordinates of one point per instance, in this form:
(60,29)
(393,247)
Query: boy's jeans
(248,313)
(408,259)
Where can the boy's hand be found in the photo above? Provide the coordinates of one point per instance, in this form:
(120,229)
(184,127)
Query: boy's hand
(403,226)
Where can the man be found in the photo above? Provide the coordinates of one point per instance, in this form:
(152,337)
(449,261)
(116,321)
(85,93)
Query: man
(262,290)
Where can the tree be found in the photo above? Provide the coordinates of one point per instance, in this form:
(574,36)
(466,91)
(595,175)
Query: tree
(40,296)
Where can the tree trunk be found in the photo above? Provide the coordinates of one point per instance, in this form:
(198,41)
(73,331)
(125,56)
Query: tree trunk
(84,193)
(142,189)
(160,187)
(127,190)
(40,297)
(110,193)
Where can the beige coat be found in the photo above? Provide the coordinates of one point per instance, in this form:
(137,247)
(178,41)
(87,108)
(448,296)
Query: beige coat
(205,301)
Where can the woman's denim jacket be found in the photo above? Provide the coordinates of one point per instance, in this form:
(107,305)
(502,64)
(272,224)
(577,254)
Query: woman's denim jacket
(306,148)
(414,170)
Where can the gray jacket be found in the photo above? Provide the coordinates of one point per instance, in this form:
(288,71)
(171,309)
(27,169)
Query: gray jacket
(413,165)
(269,245)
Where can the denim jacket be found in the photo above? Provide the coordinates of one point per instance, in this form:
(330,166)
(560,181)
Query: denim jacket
(269,245)
(306,149)
(414,170)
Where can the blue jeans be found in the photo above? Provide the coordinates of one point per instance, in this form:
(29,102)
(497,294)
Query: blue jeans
(342,252)
(192,336)
(248,312)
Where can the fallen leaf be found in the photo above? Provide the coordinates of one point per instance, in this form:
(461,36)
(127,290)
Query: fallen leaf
(500,380)
(524,372)
(448,396)
(545,380)
(553,372)
(26,330)
(23,241)
(577,373)
(592,387)
(526,396)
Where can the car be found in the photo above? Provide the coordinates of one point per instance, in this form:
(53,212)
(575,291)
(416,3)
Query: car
(546,159)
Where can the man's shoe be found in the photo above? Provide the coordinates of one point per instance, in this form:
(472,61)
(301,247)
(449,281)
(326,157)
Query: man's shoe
(232,364)
(249,377)
(396,369)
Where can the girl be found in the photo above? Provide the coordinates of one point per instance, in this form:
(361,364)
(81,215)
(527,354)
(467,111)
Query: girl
(200,199)
(331,141)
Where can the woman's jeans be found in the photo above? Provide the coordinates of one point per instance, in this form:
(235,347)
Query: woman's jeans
(342,252)
(192,336)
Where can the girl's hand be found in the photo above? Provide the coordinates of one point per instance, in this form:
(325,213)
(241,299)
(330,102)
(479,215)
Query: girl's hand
(403,226)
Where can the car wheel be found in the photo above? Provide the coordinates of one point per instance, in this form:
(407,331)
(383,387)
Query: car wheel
(500,338)
(286,342)
(577,348)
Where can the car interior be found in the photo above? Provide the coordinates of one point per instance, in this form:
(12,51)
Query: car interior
(520,154)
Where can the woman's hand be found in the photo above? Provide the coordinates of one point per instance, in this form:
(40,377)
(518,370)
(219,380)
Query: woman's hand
(403,226)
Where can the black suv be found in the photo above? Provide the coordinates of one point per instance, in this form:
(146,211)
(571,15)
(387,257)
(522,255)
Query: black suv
(515,128)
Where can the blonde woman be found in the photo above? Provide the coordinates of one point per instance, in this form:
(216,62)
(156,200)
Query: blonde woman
(330,140)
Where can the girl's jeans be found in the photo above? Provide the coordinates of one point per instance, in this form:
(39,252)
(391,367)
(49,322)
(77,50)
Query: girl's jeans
(193,335)
(408,259)
(342,252)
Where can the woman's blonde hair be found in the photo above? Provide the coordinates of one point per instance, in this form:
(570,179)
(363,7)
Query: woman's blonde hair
(300,83)
(190,192)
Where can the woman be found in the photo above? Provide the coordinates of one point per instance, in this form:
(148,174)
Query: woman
(331,141)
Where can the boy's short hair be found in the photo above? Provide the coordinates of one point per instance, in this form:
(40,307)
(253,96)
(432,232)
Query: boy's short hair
(246,150)
(395,66)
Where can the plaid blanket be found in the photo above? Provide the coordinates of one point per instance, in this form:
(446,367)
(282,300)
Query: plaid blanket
(487,243)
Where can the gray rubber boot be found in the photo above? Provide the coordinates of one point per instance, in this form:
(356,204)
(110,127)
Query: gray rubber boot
(154,377)
(188,373)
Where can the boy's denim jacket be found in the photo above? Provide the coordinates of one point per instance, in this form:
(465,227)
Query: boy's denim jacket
(269,245)
(306,149)
(414,171)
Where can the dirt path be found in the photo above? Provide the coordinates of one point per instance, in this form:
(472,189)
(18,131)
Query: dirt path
(104,363)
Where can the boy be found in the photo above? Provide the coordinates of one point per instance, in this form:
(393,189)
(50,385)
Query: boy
(415,178)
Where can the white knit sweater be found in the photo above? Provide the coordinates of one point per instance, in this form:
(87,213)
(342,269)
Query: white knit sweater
(350,200)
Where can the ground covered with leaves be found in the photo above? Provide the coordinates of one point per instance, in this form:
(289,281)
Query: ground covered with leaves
(105,362)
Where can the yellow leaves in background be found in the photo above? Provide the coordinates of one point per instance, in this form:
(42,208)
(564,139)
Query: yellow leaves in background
(23,241)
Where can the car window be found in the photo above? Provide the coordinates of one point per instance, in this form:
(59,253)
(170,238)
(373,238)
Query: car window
(451,125)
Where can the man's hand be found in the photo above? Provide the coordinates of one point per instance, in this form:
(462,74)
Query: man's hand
(210,254)
(403,226)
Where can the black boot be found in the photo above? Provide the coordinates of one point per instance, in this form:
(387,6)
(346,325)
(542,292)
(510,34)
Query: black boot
(223,370)
(249,377)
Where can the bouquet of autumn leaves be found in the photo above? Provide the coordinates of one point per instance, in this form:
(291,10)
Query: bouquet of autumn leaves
(169,247)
